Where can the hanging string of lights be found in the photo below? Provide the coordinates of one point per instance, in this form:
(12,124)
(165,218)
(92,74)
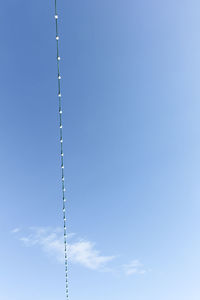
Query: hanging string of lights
(62,154)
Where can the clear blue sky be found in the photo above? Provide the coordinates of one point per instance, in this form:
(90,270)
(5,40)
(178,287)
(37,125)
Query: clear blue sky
(130,85)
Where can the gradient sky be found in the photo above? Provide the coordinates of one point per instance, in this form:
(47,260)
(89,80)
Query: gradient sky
(130,85)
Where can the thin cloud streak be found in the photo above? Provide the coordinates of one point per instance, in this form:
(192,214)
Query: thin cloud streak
(15,230)
(80,251)
(134,267)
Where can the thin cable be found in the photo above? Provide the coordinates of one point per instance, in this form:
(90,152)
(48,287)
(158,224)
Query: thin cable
(62,155)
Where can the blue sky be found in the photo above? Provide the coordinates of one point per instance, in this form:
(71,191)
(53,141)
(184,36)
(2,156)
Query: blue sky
(130,86)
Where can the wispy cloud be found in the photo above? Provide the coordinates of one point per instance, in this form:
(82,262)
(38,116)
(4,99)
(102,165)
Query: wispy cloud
(80,251)
(84,252)
(15,230)
(134,267)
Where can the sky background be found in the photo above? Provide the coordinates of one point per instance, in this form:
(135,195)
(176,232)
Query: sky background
(130,85)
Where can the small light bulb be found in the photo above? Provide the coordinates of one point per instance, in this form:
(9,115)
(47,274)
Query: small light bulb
(57,37)
(59,77)
(58,57)
(56,16)
(60,111)
(64,200)
(62,167)
(59,95)
(61,140)
(63,178)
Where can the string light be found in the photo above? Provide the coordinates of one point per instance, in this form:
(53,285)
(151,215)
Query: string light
(62,155)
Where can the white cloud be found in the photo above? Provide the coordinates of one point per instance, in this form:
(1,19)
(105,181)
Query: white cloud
(134,267)
(15,230)
(81,251)
(84,252)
